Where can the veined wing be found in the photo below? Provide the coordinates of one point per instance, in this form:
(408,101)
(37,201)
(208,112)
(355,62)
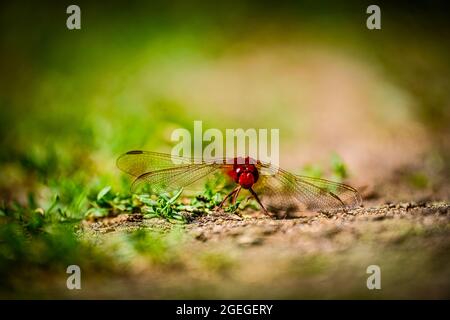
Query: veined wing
(332,194)
(164,172)
(171,179)
(138,162)
(285,190)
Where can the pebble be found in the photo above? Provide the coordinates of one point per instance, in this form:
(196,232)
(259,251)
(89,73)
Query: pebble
(406,206)
(248,240)
(236,231)
(217,229)
(270,229)
(201,237)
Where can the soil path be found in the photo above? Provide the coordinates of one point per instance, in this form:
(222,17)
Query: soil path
(314,256)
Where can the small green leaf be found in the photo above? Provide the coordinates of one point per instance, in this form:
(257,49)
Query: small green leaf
(103,192)
(339,167)
(175,197)
(146,200)
(146,209)
(150,216)
(97,212)
(53,205)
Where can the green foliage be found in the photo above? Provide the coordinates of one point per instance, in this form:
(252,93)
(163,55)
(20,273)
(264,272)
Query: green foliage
(211,196)
(107,203)
(217,261)
(165,207)
(418,180)
(311,170)
(159,248)
(338,167)
(42,240)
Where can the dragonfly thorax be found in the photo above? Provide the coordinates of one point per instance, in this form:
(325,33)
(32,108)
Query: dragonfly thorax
(244,172)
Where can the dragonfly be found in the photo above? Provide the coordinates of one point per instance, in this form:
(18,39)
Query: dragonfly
(273,188)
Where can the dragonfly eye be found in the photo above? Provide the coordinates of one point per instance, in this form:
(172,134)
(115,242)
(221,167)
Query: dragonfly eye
(233,175)
(246,180)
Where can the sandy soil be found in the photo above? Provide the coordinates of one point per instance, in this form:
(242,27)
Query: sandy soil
(314,256)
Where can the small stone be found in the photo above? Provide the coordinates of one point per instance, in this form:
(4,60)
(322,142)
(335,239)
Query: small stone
(236,231)
(216,229)
(201,237)
(248,240)
(270,229)
(405,206)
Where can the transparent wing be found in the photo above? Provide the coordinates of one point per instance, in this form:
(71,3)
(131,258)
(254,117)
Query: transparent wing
(330,194)
(283,190)
(138,162)
(164,172)
(171,179)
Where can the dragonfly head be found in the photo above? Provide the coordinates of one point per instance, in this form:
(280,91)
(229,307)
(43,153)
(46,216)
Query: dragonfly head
(247,179)
(244,172)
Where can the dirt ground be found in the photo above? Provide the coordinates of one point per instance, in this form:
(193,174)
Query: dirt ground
(316,255)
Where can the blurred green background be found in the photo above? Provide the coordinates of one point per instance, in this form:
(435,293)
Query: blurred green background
(71,101)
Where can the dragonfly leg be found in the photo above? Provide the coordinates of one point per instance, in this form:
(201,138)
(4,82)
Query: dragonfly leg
(229,195)
(259,202)
(233,201)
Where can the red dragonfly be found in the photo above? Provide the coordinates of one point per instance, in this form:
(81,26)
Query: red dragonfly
(272,187)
